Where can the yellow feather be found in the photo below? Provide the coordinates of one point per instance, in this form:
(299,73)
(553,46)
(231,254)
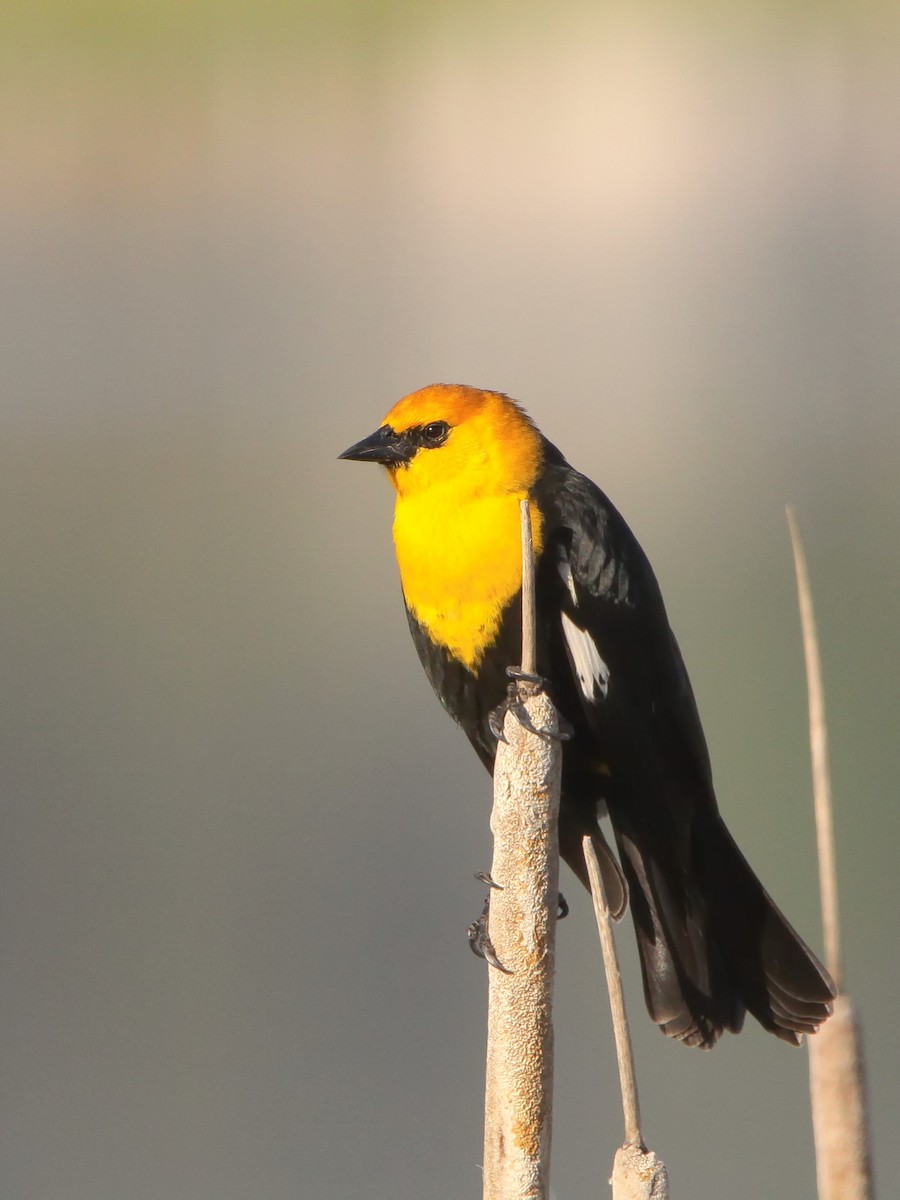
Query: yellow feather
(457,523)
(461,566)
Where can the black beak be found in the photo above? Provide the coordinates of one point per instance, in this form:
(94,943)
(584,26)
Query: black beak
(383,446)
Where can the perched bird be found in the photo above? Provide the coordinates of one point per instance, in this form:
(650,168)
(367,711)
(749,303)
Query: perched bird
(712,943)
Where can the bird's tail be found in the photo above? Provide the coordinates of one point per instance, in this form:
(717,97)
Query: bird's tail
(713,944)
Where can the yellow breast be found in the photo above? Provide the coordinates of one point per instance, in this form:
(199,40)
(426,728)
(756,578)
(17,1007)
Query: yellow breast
(460,565)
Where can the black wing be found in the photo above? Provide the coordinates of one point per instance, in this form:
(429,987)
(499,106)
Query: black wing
(712,943)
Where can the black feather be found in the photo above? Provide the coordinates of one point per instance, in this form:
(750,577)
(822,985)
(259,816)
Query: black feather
(712,943)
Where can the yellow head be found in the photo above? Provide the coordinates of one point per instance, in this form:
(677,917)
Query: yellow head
(460,460)
(455,438)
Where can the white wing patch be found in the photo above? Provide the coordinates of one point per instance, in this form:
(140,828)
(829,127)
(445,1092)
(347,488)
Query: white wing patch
(592,671)
(565,570)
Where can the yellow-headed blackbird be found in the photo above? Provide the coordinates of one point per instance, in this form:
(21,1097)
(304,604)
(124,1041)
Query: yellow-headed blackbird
(712,943)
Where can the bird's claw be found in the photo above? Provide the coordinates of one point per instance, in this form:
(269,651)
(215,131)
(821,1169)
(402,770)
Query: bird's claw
(496,717)
(479,939)
(485,877)
(566,730)
(522,686)
(538,682)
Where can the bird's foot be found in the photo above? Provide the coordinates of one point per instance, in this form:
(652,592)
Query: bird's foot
(479,938)
(531,683)
(485,877)
(523,686)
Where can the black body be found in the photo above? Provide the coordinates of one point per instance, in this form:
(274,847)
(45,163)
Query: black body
(712,943)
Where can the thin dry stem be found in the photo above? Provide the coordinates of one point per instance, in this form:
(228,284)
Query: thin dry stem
(818,739)
(529,653)
(624,1052)
(637,1173)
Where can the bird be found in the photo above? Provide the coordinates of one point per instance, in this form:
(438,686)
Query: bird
(712,944)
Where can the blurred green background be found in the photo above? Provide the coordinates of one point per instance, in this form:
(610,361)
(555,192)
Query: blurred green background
(238,833)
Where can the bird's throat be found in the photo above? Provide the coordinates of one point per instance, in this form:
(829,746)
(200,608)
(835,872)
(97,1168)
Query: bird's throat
(461,565)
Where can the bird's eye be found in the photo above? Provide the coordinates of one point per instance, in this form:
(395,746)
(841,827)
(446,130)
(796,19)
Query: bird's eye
(435,433)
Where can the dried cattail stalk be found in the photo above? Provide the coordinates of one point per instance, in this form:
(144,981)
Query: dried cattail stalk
(522,930)
(837,1079)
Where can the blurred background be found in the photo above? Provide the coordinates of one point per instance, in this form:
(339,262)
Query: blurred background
(238,834)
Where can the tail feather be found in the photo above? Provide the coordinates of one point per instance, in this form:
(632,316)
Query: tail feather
(713,945)
(780,980)
(685,985)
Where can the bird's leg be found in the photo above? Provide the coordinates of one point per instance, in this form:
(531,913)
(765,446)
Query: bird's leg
(522,686)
